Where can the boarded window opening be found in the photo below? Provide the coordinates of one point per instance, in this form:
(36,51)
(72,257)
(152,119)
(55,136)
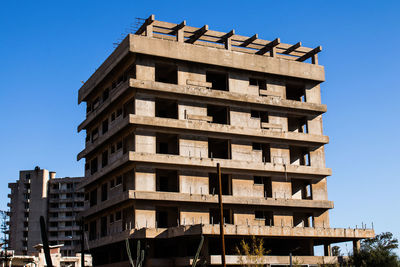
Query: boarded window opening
(166,73)
(167,181)
(166,108)
(226,181)
(166,217)
(219,80)
(295,92)
(219,114)
(266,182)
(219,148)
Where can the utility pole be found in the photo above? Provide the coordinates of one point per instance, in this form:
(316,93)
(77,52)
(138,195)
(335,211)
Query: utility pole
(82,242)
(221,222)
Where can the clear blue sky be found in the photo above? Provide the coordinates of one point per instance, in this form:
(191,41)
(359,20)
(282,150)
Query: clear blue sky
(48,47)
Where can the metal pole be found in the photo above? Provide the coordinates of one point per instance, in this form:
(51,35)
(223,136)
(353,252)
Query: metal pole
(290,259)
(45,242)
(82,242)
(221,221)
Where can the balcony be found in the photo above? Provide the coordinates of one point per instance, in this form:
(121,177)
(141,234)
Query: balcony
(288,106)
(209,165)
(204,128)
(208,200)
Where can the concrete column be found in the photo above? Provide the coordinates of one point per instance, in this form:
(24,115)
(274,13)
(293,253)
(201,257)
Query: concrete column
(327,250)
(145,69)
(356,246)
(313,93)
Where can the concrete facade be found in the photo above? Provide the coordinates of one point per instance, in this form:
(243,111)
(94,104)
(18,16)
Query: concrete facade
(38,193)
(170,103)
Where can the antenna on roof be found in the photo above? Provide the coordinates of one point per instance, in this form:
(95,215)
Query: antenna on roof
(132,28)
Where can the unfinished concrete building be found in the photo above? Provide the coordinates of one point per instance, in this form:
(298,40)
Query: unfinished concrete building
(39,193)
(170,103)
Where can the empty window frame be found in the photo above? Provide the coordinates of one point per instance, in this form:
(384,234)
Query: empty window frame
(104,192)
(213,184)
(93,197)
(166,73)
(167,144)
(295,92)
(218,80)
(299,156)
(258,114)
(215,216)
(166,108)
(129,107)
(167,217)
(260,83)
(301,189)
(266,151)
(103,226)
(92,230)
(301,219)
(93,166)
(219,114)
(267,184)
(95,134)
(219,148)
(104,126)
(297,124)
(106,94)
(104,158)
(266,216)
(167,180)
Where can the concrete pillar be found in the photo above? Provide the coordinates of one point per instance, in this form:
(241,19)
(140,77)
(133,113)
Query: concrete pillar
(356,246)
(327,250)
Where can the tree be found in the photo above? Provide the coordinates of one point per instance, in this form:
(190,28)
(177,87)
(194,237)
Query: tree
(376,252)
(251,254)
(4,229)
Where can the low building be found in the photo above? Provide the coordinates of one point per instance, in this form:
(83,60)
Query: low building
(38,259)
(39,193)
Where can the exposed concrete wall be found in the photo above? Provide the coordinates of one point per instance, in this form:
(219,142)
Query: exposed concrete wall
(193,182)
(193,146)
(145,215)
(145,179)
(194,215)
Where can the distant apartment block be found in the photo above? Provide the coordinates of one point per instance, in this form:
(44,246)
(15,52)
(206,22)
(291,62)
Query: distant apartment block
(170,103)
(39,193)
